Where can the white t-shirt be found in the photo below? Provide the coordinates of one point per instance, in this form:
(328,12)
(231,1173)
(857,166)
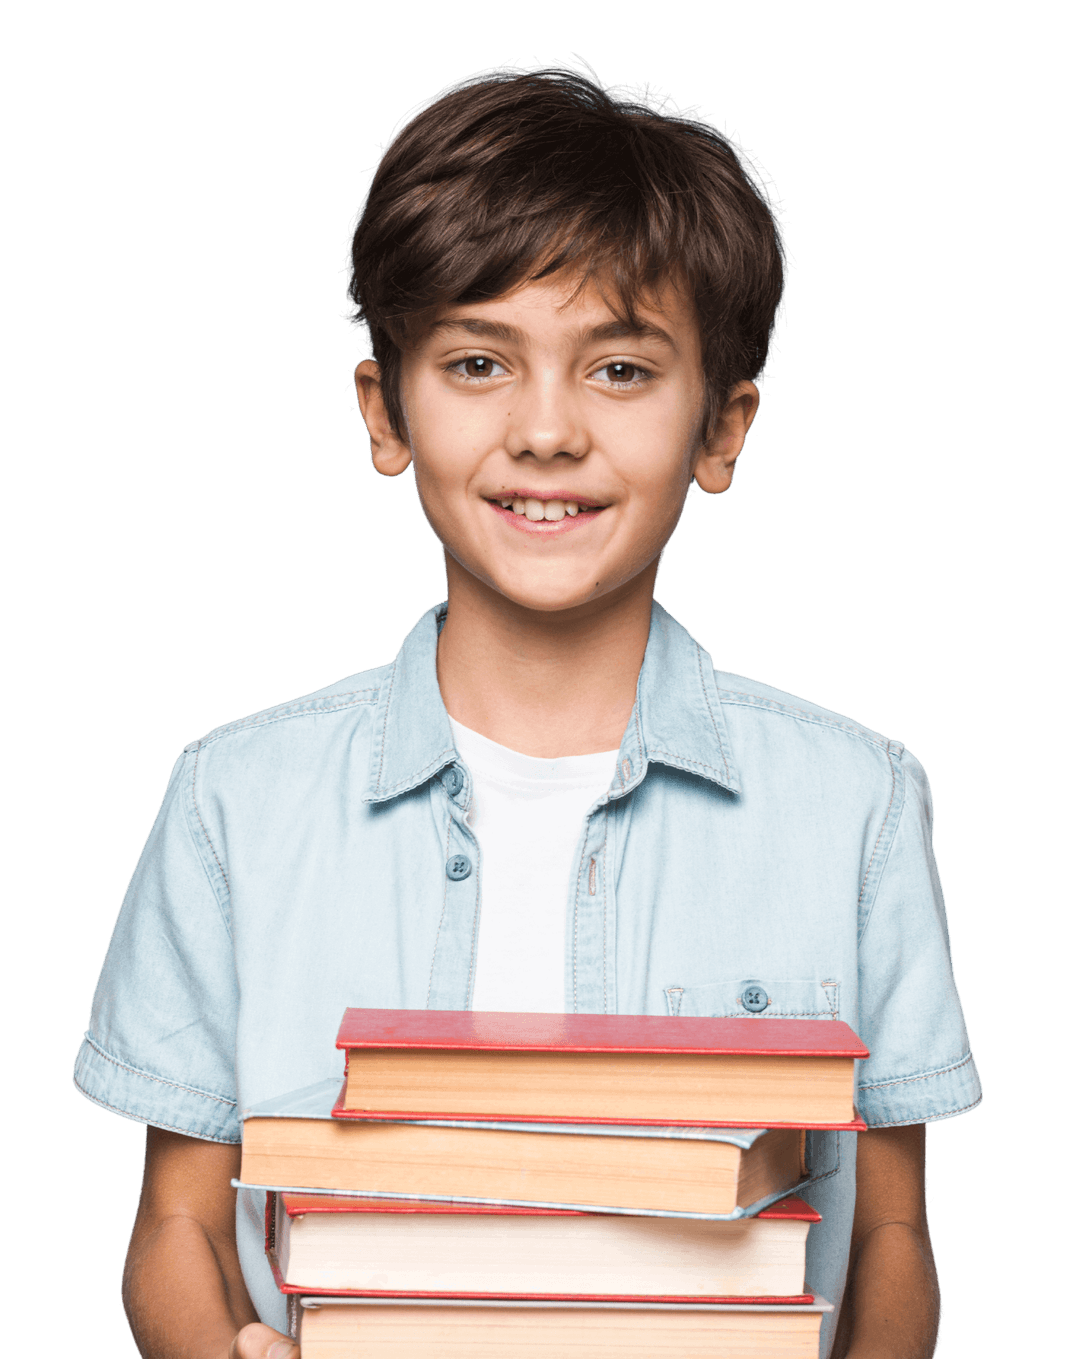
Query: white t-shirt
(527,815)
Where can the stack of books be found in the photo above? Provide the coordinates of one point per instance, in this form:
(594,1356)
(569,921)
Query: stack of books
(498,1185)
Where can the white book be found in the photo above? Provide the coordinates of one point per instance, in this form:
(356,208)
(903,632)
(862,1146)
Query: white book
(339,1244)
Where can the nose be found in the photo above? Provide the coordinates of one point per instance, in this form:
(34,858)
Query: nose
(545,420)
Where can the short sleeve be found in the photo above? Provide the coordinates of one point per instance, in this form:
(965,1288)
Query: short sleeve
(161,1044)
(920,1066)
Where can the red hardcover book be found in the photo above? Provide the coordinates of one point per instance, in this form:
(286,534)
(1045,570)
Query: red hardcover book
(463,1064)
(353,1247)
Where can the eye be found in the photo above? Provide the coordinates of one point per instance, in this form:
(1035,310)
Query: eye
(477,367)
(619,373)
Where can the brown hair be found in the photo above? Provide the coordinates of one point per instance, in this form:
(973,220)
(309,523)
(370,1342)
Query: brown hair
(511,176)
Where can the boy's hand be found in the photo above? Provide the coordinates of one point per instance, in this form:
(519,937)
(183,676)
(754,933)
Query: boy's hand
(263,1342)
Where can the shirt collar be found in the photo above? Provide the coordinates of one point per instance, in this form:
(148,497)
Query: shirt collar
(677,717)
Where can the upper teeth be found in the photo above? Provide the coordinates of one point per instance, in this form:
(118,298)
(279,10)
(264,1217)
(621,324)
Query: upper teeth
(541,509)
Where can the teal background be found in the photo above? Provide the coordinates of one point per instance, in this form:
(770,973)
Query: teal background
(192,531)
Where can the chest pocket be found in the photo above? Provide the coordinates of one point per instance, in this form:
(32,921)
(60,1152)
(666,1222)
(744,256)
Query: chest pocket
(742,998)
(798,998)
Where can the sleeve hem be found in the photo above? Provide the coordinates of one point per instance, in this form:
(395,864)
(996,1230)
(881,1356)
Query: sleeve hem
(930,1118)
(923,1097)
(147,1098)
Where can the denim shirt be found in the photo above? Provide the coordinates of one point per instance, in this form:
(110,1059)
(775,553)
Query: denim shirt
(313,857)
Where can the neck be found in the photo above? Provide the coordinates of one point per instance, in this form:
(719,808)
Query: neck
(543,683)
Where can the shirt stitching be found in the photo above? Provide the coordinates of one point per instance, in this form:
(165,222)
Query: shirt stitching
(864,920)
(149,1075)
(604,913)
(828,1174)
(311,708)
(577,898)
(475,927)
(740,700)
(712,715)
(385,724)
(442,917)
(666,755)
(411,780)
(202,824)
(881,832)
(639,734)
(154,1123)
(787,1014)
(927,1118)
(925,1076)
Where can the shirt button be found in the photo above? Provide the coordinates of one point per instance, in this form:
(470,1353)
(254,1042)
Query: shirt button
(458,866)
(453,780)
(754,998)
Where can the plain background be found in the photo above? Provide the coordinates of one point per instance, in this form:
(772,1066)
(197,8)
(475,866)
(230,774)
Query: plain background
(195,532)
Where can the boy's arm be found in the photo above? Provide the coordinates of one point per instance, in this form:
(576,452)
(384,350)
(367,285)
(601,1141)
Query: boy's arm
(890,1308)
(183,1289)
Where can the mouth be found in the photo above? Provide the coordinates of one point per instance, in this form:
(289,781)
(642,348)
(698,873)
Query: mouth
(545,512)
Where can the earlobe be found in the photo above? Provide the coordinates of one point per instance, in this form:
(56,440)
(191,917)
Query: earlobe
(389,453)
(715,464)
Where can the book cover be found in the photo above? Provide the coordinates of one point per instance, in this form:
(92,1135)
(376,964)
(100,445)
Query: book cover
(639,1069)
(505,1031)
(312,1105)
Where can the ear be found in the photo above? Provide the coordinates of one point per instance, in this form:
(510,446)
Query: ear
(715,464)
(390,454)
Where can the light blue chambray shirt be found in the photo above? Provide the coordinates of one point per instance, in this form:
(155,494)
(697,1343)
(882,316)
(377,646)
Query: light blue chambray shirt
(309,858)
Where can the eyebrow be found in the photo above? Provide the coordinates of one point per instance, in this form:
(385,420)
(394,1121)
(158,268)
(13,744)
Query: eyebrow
(608,330)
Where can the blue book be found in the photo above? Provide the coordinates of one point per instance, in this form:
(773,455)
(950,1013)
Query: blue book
(293,1144)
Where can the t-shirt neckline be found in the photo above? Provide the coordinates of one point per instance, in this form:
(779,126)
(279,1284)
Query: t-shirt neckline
(489,760)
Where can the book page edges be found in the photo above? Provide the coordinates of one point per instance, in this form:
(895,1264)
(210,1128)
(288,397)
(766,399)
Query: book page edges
(751,1211)
(324,1100)
(788,1208)
(819,1304)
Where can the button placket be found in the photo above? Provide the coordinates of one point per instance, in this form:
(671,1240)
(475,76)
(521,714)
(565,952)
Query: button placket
(450,986)
(590,984)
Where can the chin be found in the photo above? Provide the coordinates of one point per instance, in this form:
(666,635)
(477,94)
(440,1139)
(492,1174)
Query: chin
(556,598)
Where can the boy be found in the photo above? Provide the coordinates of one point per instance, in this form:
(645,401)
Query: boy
(550,800)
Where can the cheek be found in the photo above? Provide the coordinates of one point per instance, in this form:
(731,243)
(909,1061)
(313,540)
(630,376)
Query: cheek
(447,436)
(662,438)
(660,470)
(440,454)
(431,501)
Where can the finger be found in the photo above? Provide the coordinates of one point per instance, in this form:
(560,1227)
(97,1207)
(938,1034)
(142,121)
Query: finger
(263,1342)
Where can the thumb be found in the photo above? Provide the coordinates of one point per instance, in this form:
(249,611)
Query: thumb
(263,1342)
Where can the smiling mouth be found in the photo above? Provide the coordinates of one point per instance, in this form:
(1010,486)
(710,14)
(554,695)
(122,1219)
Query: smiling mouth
(549,508)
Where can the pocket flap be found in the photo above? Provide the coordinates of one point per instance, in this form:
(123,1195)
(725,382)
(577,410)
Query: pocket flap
(743,998)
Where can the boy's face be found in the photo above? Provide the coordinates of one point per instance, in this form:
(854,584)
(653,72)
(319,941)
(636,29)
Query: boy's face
(553,446)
